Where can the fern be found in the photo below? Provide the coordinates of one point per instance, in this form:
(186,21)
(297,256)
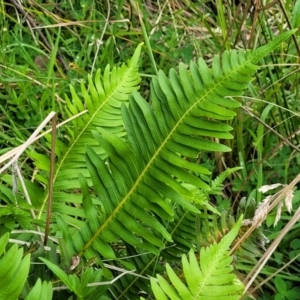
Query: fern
(129,286)
(145,181)
(211,278)
(182,230)
(13,270)
(217,183)
(144,173)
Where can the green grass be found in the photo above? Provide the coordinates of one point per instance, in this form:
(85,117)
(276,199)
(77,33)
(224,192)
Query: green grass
(87,35)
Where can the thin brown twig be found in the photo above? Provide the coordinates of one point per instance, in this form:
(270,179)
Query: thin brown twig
(242,21)
(255,17)
(51,175)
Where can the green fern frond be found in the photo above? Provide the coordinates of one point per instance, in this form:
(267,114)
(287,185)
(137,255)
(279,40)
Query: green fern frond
(41,290)
(217,183)
(182,230)
(79,284)
(146,171)
(13,271)
(103,99)
(211,278)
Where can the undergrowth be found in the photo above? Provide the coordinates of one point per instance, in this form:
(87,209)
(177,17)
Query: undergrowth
(46,47)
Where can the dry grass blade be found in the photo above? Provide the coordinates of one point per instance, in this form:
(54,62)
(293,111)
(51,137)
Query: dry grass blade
(32,23)
(13,152)
(271,276)
(14,161)
(263,260)
(19,150)
(275,201)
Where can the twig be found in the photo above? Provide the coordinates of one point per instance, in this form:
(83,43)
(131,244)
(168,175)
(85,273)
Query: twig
(14,163)
(52,165)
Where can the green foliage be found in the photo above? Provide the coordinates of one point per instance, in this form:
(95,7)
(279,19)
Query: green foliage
(14,269)
(76,284)
(41,290)
(143,187)
(211,278)
(137,181)
(103,102)
(285,290)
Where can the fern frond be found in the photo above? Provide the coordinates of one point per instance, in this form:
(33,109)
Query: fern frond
(41,290)
(183,232)
(217,183)
(14,269)
(216,228)
(102,98)
(211,278)
(131,286)
(147,170)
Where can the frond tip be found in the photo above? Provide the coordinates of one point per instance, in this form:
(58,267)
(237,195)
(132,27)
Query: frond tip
(210,279)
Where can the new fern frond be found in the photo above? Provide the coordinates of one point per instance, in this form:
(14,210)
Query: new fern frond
(211,278)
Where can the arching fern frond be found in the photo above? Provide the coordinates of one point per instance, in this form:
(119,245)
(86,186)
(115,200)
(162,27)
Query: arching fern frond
(144,174)
(182,230)
(214,229)
(102,98)
(211,278)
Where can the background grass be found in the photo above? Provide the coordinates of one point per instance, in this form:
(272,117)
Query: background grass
(45,47)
